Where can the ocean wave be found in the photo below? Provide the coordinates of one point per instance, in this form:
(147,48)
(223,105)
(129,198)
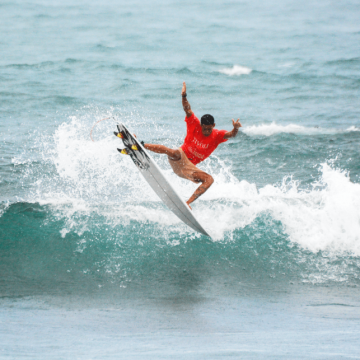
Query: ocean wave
(236,70)
(44,64)
(184,70)
(351,61)
(279,231)
(87,186)
(323,218)
(92,176)
(273,129)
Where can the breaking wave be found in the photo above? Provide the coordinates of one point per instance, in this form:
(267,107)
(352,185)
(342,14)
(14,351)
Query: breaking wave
(236,70)
(92,195)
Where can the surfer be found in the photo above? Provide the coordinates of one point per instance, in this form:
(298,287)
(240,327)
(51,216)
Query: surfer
(201,140)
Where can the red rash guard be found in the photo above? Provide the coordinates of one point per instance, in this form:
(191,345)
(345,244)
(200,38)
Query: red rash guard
(198,147)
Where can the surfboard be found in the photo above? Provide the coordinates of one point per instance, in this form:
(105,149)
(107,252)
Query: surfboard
(156,179)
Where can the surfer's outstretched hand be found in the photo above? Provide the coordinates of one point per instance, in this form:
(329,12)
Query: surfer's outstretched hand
(231,134)
(183,91)
(185,103)
(236,124)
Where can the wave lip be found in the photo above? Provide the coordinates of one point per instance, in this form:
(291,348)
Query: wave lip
(236,70)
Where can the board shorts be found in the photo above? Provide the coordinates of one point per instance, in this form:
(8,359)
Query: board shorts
(185,168)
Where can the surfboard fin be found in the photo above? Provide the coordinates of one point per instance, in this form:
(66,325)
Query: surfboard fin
(134,147)
(118,134)
(123,151)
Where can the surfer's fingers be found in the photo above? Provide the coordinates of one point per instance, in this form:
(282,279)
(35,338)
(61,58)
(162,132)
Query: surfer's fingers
(237,123)
(183,91)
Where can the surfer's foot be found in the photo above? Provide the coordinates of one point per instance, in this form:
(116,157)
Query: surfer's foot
(188,205)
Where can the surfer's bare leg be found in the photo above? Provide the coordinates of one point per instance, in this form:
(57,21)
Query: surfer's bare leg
(161,149)
(206,181)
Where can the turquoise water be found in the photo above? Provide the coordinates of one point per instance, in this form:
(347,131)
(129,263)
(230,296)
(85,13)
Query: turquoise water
(94,266)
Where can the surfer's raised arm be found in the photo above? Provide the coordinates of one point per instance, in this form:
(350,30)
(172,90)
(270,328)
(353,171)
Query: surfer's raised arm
(185,103)
(234,131)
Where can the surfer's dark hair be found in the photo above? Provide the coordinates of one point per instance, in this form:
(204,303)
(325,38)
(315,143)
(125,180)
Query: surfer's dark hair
(207,119)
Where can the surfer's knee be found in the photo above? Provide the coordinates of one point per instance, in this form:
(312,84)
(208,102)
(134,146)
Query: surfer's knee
(174,155)
(209,180)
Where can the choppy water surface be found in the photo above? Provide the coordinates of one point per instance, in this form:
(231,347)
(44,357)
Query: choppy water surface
(93,265)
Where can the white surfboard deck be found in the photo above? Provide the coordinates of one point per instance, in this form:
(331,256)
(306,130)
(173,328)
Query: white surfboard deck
(157,180)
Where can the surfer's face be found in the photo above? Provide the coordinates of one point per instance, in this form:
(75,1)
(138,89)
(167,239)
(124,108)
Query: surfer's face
(207,129)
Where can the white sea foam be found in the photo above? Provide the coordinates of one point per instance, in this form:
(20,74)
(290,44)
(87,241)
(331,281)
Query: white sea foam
(326,217)
(273,129)
(236,70)
(353,128)
(93,178)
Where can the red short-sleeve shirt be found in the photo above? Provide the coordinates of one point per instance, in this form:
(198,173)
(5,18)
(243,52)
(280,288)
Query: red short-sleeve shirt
(198,147)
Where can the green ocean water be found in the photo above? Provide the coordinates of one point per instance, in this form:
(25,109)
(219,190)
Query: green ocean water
(94,266)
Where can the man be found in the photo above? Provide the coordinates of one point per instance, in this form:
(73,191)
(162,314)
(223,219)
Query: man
(200,141)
